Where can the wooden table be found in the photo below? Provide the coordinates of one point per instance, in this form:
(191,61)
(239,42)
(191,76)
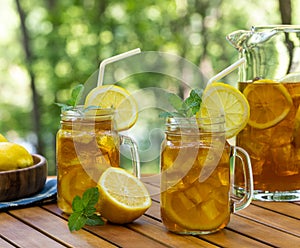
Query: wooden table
(262,224)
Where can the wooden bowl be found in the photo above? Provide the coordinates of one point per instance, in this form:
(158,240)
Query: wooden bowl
(16,184)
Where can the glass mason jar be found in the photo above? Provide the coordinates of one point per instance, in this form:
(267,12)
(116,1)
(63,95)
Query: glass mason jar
(86,145)
(196,176)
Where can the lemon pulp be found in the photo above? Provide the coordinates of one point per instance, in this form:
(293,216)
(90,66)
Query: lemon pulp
(269,101)
(123,197)
(220,98)
(112,96)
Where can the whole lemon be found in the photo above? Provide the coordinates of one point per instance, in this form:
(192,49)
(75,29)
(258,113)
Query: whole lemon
(2,138)
(14,156)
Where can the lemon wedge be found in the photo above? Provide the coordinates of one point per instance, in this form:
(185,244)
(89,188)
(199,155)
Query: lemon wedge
(123,197)
(112,96)
(269,101)
(220,98)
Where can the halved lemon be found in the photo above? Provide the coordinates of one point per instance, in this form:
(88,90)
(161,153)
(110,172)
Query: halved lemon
(123,197)
(269,101)
(112,96)
(220,98)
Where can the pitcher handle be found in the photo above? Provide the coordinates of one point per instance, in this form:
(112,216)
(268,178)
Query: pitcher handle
(248,179)
(135,158)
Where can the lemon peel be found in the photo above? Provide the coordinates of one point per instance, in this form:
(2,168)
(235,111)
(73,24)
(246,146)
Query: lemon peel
(14,156)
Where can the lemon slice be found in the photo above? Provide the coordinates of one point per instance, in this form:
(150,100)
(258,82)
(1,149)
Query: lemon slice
(269,101)
(2,138)
(123,197)
(206,215)
(112,96)
(296,131)
(220,98)
(75,182)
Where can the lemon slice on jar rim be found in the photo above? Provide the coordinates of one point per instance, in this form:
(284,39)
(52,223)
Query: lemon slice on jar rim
(220,98)
(123,197)
(112,96)
(269,101)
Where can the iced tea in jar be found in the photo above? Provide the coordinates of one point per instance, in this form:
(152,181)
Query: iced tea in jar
(196,176)
(87,144)
(270,80)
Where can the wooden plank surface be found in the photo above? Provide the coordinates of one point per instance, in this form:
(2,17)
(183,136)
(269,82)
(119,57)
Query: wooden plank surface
(262,224)
(4,243)
(23,235)
(117,234)
(56,228)
(276,220)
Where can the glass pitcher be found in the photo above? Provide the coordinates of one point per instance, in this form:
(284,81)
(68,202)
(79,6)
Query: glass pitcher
(270,80)
(196,177)
(87,144)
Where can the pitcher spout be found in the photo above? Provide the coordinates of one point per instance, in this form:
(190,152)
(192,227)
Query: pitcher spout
(238,38)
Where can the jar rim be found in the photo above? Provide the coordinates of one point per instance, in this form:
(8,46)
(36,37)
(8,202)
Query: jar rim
(282,27)
(193,124)
(217,119)
(94,111)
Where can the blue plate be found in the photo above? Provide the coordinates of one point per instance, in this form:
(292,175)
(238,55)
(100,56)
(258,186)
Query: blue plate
(46,195)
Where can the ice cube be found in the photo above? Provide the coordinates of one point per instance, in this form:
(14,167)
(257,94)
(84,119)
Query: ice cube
(291,78)
(283,164)
(210,209)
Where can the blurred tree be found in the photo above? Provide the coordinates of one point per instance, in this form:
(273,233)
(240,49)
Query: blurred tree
(64,41)
(285,11)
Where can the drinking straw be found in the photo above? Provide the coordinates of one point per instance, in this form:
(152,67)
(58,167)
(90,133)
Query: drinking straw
(226,71)
(114,59)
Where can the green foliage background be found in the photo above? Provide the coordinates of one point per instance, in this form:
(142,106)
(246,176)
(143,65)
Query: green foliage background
(68,39)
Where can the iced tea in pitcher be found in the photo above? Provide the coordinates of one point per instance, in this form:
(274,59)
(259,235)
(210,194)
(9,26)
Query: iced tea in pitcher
(272,136)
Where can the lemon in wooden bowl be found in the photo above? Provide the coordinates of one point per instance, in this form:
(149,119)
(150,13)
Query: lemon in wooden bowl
(21,174)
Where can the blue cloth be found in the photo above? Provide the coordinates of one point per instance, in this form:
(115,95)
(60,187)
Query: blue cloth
(46,195)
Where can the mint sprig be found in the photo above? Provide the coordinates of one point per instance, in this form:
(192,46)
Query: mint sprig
(84,210)
(76,95)
(184,108)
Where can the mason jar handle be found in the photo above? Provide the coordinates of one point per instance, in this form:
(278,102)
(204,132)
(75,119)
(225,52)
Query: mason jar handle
(243,202)
(135,158)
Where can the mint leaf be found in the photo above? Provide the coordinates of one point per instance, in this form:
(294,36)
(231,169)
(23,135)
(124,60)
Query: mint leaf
(193,102)
(90,197)
(94,220)
(76,221)
(76,95)
(175,101)
(77,204)
(187,108)
(84,210)
(64,106)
